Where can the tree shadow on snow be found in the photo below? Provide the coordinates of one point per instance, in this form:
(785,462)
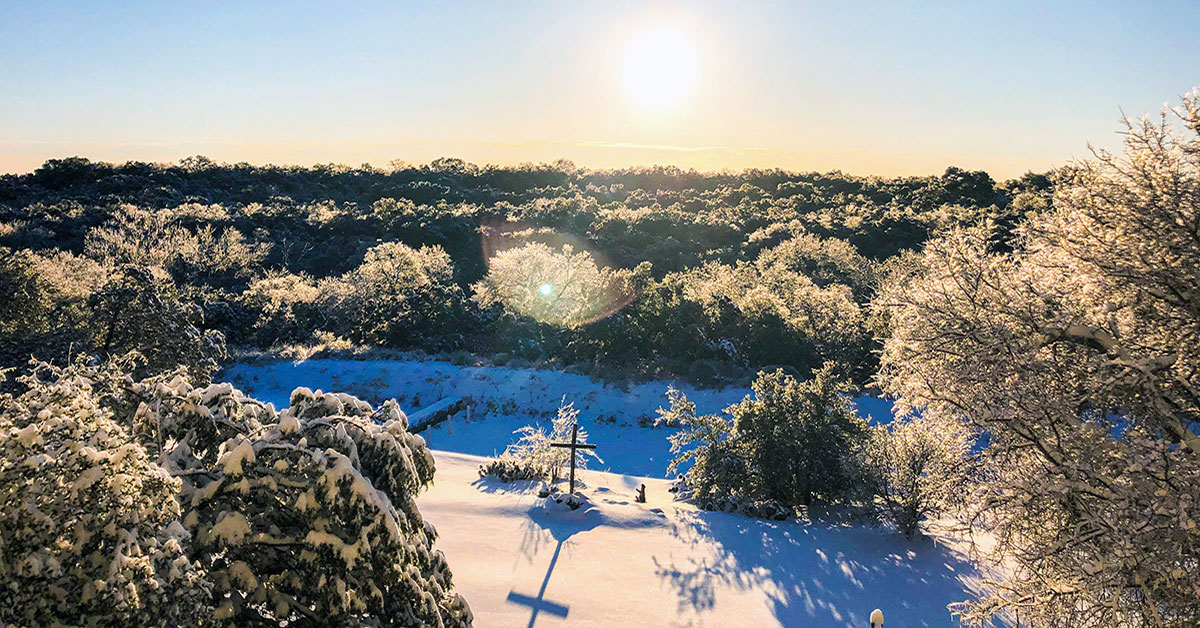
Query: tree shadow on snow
(494,485)
(818,575)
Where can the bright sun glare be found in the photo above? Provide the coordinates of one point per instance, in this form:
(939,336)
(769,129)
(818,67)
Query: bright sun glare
(659,68)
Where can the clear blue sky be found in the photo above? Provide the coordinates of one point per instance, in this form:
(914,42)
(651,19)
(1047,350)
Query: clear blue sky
(871,88)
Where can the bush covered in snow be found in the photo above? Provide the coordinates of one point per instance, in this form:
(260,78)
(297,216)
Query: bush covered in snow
(915,468)
(176,504)
(532,456)
(90,527)
(791,443)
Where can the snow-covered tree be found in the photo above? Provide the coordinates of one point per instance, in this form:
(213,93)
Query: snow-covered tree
(789,443)
(799,437)
(916,468)
(532,456)
(90,530)
(1078,354)
(695,432)
(206,505)
(306,513)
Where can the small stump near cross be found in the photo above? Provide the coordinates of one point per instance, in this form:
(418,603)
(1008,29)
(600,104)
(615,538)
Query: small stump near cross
(574,445)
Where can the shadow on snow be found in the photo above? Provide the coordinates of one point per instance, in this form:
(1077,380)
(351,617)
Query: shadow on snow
(818,575)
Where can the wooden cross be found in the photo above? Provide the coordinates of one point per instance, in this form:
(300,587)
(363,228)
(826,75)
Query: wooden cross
(573,445)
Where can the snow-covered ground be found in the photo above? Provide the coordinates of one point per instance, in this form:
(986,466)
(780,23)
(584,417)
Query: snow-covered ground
(622,563)
(664,563)
(505,399)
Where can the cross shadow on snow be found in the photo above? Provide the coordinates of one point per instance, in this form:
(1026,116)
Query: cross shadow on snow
(818,575)
(543,526)
(538,604)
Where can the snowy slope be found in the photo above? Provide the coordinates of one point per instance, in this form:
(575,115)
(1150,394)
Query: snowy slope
(624,564)
(505,399)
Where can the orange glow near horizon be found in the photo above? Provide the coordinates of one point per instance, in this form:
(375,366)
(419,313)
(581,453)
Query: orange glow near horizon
(881,90)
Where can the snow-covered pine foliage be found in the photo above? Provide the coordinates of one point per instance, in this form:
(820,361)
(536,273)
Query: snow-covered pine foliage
(90,530)
(532,456)
(916,468)
(1079,355)
(309,512)
(789,443)
(306,515)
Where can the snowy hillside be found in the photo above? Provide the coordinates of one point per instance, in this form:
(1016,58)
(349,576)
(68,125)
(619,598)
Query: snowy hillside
(664,563)
(503,400)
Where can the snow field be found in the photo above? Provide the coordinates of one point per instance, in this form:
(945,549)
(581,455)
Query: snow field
(616,562)
(505,399)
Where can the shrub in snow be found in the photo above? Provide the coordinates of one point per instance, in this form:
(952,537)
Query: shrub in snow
(89,524)
(788,444)
(1077,351)
(716,472)
(915,469)
(306,515)
(398,297)
(799,437)
(532,456)
(509,469)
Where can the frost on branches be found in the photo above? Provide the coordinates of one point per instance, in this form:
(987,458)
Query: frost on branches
(306,515)
(562,287)
(532,457)
(914,468)
(1078,354)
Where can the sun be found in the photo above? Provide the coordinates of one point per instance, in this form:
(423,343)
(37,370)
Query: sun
(660,67)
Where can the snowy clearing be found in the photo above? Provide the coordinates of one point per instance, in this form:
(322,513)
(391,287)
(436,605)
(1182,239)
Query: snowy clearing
(618,562)
(664,563)
(505,399)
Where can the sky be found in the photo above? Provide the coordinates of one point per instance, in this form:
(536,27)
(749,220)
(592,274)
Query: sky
(887,88)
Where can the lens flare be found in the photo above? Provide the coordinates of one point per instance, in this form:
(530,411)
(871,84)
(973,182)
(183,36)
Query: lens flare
(549,277)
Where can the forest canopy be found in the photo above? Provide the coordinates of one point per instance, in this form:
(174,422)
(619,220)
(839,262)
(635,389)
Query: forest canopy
(547,263)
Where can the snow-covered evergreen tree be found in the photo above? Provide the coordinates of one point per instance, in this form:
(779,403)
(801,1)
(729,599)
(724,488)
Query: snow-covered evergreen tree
(256,516)
(90,531)
(1078,354)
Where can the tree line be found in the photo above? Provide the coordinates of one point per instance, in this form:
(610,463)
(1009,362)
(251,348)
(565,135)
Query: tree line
(762,267)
